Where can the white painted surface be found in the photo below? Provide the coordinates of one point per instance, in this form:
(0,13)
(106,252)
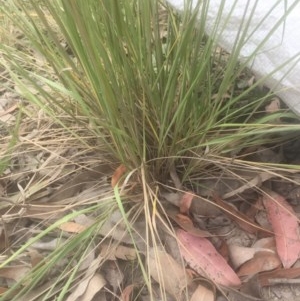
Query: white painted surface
(275,49)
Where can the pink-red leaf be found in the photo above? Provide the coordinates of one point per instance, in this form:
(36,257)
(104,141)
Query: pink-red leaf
(202,256)
(285,226)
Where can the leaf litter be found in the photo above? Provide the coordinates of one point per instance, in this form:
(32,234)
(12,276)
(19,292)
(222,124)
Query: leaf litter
(51,176)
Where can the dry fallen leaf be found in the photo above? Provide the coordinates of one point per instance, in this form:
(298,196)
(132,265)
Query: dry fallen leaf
(113,274)
(72,227)
(122,252)
(273,106)
(167,272)
(262,261)
(202,294)
(96,283)
(14,272)
(239,255)
(35,257)
(80,290)
(285,226)
(115,227)
(265,243)
(202,256)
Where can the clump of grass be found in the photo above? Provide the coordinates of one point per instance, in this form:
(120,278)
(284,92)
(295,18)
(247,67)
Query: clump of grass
(151,103)
(152,100)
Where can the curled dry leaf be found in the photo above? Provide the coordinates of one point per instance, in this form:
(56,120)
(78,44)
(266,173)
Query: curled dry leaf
(239,255)
(167,272)
(285,226)
(202,256)
(202,294)
(262,261)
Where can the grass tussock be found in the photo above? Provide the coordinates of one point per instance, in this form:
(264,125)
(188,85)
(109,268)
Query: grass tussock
(122,82)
